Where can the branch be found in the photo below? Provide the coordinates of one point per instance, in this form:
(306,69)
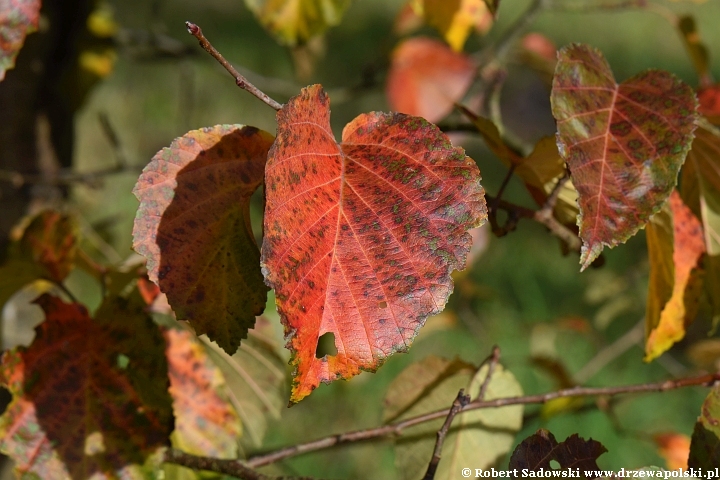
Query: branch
(460,401)
(397,427)
(217,465)
(240,80)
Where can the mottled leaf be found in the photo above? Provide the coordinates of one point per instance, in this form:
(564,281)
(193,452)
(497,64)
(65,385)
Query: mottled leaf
(624,144)
(51,242)
(256,382)
(18,18)
(361,237)
(478,437)
(193,225)
(426,78)
(89,396)
(538,450)
(675,244)
(705,442)
(456,19)
(294,22)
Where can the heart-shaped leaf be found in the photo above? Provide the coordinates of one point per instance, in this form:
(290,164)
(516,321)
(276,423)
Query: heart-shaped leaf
(193,225)
(624,144)
(361,237)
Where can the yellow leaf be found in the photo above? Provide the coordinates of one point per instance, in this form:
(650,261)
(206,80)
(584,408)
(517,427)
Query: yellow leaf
(455,19)
(675,243)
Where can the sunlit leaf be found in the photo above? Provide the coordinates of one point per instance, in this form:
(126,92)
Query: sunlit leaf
(479,437)
(89,396)
(256,382)
(538,450)
(361,237)
(193,225)
(456,19)
(675,244)
(206,424)
(17,19)
(705,443)
(294,22)
(426,78)
(624,144)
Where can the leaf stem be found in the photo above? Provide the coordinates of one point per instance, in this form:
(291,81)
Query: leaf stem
(460,401)
(240,80)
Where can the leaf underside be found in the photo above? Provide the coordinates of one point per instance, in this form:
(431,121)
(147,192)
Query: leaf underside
(193,226)
(624,144)
(361,237)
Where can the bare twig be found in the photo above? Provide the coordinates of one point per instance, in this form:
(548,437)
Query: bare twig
(228,467)
(492,362)
(396,428)
(240,80)
(460,401)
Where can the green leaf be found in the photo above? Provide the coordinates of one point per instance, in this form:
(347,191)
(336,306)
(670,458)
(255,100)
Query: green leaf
(89,396)
(18,18)
(705,444)
(294,22)
(477,437)
(193,225)
(624,144)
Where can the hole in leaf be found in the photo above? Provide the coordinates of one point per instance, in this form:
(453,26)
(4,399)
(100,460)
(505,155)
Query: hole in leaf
(326,345)
(554,464)
(382,305)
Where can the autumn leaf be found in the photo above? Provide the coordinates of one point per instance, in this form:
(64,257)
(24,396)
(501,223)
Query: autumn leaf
(51,241)
(675,244)
(361,237)
(538,450)
(456,19)
(696,49)
(624,144)
(89,396)
(478,437)
(193,225)
(256,382)
(18,18)
(426,78)
(705,442)
(206,423)
(674,448)
(294,22)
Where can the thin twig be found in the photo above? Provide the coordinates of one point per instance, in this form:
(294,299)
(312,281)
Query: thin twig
(228,467)
(396,428)
(460,401)
(492,362)
(240,80)
(65,176)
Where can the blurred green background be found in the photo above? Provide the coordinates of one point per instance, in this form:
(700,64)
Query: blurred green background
(521,293)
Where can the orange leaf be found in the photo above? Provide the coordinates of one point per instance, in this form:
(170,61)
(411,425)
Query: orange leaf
(361,237)
(685,239)
(426,78)
(674,448)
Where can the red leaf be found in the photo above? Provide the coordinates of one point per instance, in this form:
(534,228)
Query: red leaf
(361,237)
(193,225)
(709,99)
(17,19)
(426,78)
(205,422)
(51,241)
(624,144)
(88,395)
